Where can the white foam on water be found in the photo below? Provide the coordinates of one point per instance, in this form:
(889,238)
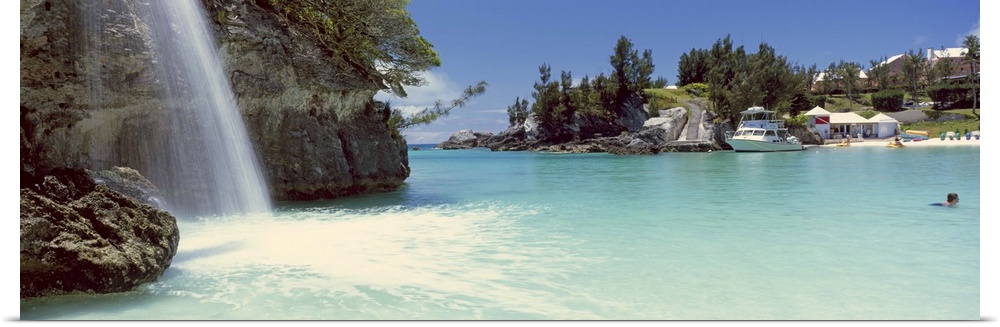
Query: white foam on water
(391,263)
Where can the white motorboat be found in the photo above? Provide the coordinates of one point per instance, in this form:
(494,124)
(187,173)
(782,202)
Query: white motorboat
(760,130)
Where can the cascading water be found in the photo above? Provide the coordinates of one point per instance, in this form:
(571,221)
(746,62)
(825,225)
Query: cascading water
(194,146)
(187,47)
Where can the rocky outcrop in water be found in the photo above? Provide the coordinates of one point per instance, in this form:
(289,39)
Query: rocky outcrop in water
(88,99)
(631,136)
(465,139)
(578,135)
(81,236)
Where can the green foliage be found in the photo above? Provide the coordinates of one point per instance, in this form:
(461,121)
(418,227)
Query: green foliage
(914,67)
(697,89)
(888,100)
(941,69)
(631,73)
(952,95)
(546,97)
(518,112)
(738,80)
(879,75)
(376,39)
(846,76)
(800,102)
(693,67)
(660,82)
(662,102)
(972,57)
(798,121)
(556,102)
(819,100)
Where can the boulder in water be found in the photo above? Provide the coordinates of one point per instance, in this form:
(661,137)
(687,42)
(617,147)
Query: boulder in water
(78,236)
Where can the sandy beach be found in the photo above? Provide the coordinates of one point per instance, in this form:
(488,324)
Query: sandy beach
(929,142)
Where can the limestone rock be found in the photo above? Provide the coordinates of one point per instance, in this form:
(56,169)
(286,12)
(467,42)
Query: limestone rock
(466,139)
(668,125)
(79,236)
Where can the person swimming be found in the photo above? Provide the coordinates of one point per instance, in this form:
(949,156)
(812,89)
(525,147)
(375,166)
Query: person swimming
(951,200)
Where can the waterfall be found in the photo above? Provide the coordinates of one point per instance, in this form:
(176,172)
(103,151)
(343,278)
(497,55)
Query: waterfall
(190,140)
(186,46)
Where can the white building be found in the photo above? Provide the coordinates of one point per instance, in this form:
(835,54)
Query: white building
(830,125)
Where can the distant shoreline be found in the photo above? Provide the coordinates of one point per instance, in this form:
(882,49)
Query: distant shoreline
(924,143)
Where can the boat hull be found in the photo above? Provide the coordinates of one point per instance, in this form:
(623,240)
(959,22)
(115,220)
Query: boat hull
(762,146)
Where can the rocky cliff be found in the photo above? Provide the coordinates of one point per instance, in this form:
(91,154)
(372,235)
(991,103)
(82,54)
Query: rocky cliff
(315,128)
(89,99)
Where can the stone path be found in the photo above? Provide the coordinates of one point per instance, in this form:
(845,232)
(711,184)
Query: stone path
(693,126)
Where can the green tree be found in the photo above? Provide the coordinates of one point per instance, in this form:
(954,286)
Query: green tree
(878,74)
(738,80)
(546,96)
(848,78)
(630,73)
(888,100)
(567,98)
(660,82)
(914,69)
(971,55)
(941,69)
(621,69)
(720,76)
(376,39)
(584,99)
(692,67)
(518,112)
(831,80)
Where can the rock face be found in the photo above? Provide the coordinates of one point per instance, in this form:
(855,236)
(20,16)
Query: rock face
(466,139)
(668,125)
(315,128)
(89,100)
(80,236)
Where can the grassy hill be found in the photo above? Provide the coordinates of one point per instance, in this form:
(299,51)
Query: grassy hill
(666,99)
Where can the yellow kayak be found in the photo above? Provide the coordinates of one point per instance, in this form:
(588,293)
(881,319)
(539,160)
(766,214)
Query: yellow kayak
(840,145)
(893,145)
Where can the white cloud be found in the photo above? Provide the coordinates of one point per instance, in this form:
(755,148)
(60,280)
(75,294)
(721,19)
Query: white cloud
(961,38)
(429,137)
(920,40)
(493,111)
(437,87)
(408,110)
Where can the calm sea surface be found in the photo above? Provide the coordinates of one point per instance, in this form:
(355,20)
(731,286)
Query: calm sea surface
(841,234)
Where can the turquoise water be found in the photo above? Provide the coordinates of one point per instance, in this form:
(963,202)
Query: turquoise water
(823,234)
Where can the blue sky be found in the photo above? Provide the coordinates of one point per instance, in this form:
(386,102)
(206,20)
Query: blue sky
(504,42)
